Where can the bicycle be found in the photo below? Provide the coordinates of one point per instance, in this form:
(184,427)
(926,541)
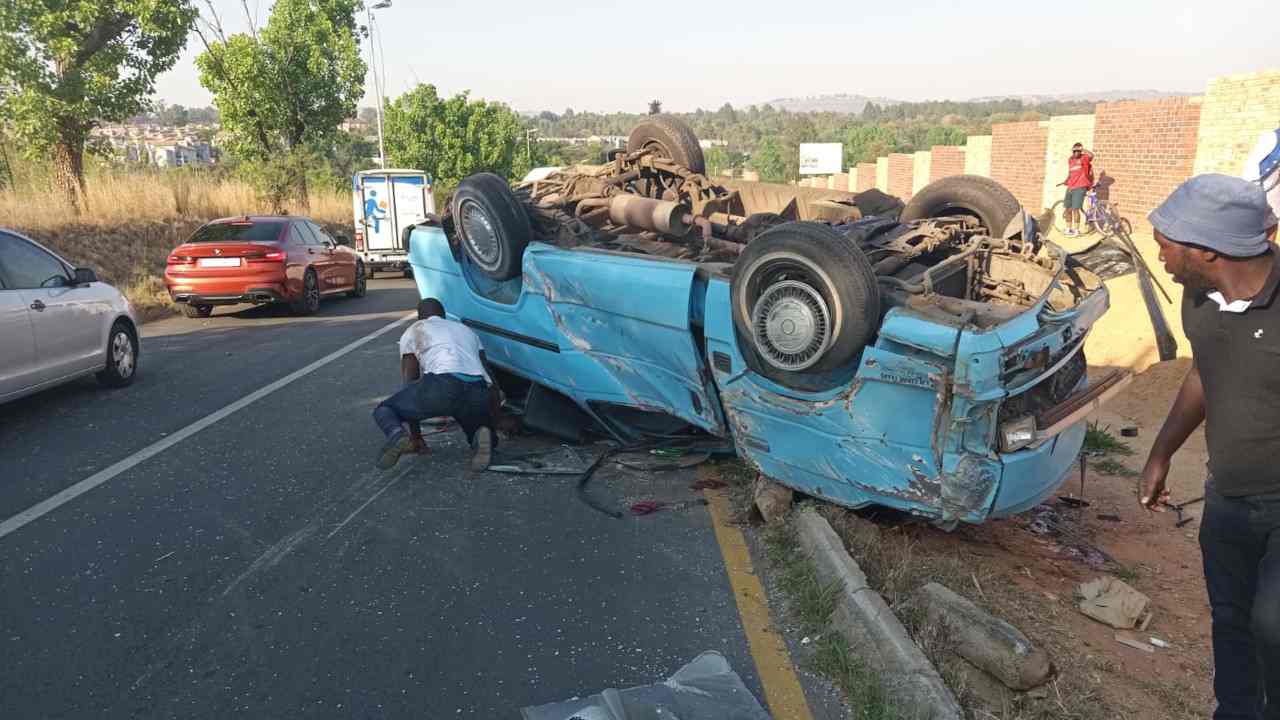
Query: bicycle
(1099,216)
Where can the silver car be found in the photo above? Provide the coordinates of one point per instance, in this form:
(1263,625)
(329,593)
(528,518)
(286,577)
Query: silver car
(58,323)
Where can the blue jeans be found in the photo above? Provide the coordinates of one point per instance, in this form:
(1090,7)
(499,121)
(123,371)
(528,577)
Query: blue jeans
(435,396)
(1240,542)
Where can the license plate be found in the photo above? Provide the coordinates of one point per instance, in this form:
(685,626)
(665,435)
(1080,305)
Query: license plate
(218,262)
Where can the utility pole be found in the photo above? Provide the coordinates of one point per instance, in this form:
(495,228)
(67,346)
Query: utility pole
(528,144)
(377,82)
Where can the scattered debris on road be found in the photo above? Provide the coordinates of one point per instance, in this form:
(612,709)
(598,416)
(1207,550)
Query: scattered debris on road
(705,689)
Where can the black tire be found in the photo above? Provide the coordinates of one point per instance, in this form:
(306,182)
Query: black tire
(197,311)
(670,138)
(800,264)
(362,283)
(984,198)
(122,356)
(491,224)
(309,302)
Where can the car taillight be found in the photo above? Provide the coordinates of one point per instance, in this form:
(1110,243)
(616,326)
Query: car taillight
(178,260)
(273,256)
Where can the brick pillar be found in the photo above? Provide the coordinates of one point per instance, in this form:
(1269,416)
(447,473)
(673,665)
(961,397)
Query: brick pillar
(866,176)
(1145,149)
(920,170)
(1017,160)
(882,174)
(977,155)
(1236,110)
(901,168)
(947,160)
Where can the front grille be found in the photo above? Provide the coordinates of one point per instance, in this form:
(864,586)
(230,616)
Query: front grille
(1048,392)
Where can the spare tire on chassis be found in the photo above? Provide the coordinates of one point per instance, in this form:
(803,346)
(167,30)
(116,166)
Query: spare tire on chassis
(491,224)
(805,302)
(669,137)
(987,200)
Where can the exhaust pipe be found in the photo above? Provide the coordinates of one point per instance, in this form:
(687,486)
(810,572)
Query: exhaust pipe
(660,216)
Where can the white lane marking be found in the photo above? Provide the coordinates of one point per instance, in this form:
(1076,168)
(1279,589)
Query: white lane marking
(56,501)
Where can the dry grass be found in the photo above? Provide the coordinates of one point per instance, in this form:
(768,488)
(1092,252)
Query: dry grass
(897,565)
(133,220)
(119,198)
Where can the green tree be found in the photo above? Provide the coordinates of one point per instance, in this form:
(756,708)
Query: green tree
(451,138)
(865,143)
(67,66)
(282,92)
(769,161)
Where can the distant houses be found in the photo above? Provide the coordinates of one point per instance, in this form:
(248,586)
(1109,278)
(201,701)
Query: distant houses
(161,146)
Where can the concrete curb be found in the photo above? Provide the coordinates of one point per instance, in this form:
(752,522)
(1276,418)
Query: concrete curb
(871,628)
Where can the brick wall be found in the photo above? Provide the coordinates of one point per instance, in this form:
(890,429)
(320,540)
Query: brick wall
(947,160)
(1235,111)
(1064,131)
(901,168)
(1017,160)
(840,181)
(977,155)
(882,174)
(866,176)
(920,170)
(1147,148)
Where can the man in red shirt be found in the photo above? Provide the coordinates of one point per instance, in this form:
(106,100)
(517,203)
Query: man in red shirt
(1079,179)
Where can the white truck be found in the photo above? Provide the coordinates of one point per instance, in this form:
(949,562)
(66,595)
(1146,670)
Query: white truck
(384,202)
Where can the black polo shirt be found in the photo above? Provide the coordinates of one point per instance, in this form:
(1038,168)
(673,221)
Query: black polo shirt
(1238,354)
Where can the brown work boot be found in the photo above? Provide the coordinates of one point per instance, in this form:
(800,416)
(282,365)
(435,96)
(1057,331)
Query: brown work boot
(392,449)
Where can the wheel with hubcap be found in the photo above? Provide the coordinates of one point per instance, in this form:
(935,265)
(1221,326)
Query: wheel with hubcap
(309,302)
(492,225)
(362,285)
(805,303)
(122,356)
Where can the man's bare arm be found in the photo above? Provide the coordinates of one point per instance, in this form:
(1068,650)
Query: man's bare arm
(495,392)
(1184,417)
(409,369)
(411,372)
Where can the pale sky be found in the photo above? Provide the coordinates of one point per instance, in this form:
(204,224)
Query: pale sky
(616,56)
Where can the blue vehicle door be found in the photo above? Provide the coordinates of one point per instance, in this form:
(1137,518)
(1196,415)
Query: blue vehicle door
(603,328)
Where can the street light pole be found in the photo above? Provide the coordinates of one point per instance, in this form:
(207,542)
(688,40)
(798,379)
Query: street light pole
(377,84)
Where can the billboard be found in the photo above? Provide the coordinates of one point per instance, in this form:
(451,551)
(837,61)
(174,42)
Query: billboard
(821,158)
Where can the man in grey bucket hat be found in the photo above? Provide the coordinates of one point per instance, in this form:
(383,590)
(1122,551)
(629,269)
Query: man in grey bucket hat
(1215,234)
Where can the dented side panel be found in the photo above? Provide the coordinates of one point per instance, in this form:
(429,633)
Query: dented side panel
(593,326)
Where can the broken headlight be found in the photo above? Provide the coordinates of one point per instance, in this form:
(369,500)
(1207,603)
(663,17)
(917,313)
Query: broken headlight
(1017,434)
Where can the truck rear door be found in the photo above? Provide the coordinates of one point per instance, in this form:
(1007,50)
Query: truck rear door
(411,201)
(377,213)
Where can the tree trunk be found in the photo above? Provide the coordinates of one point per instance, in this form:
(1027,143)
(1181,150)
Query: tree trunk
(68,173)
(300,193)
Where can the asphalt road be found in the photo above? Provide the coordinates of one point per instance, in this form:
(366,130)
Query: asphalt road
(263,568)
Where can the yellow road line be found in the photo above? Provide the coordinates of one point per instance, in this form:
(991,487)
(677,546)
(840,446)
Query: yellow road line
(773,663)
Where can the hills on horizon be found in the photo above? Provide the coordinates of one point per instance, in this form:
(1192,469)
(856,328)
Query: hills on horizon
(855,104)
